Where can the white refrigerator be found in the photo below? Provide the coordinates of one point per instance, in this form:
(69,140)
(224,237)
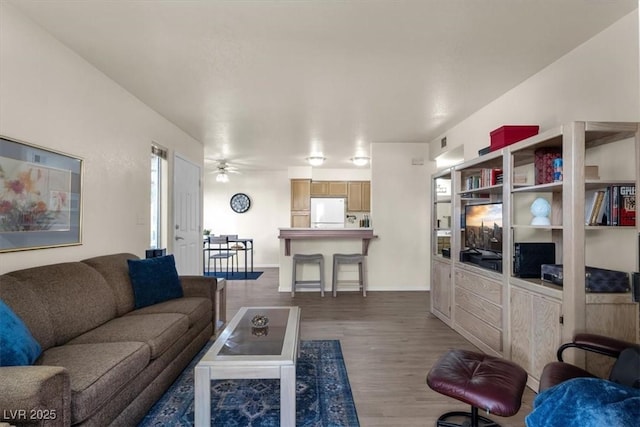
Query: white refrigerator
(327,212)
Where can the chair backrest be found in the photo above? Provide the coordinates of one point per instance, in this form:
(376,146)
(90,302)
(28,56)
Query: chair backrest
(218,240)
(626,369)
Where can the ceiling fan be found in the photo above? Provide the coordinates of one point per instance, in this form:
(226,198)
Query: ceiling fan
(222,169)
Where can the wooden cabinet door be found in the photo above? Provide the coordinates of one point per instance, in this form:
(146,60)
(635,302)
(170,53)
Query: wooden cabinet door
(546,333)
(338,189)
(320,188)
(535,330)
(441,288)
(300,195)
(300,220)
(366,196)
(354,196)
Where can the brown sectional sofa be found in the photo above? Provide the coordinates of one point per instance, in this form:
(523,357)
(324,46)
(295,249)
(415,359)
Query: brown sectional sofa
(103,362)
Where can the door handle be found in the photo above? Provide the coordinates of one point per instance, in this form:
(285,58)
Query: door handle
(179,238)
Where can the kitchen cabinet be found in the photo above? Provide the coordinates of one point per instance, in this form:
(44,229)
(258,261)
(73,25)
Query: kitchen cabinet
(358,196)
(328,188)
(300,203)
(300,195)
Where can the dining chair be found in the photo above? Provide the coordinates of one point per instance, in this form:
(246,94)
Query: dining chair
(219,250)
(235,247)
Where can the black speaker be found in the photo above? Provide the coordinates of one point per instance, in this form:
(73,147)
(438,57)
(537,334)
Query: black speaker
(154,253)
(529,257)
(635,286)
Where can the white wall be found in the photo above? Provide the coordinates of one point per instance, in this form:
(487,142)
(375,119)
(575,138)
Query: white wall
(400,194)
(269,192)
(51,97)
(598,80)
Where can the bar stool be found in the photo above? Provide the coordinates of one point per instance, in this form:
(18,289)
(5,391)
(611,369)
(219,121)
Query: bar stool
(307,259)
(349,259)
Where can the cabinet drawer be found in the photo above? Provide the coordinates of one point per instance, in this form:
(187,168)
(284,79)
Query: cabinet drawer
(488,289)
(479,329)
(482,309)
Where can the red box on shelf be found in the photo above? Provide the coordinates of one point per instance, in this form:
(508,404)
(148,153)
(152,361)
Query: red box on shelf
(543,161)
(509,134)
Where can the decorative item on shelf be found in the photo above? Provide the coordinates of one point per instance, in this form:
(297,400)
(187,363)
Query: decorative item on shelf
(543,161)
(260,325)
(557,169)
(540,209)
(510,134)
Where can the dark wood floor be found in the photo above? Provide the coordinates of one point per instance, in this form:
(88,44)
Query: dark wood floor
(389,341)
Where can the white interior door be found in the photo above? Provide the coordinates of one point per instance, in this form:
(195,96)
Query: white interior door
(187,235)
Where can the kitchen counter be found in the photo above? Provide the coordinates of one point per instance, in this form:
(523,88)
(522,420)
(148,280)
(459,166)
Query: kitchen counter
(288,234)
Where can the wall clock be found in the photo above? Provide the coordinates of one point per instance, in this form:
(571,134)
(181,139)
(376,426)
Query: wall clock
(240,202)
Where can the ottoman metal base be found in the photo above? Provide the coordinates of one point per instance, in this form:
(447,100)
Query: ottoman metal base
(469,419)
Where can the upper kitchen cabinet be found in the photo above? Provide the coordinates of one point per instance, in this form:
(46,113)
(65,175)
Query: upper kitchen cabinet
(358,196)
(300,194)
(328,189)
(300,203)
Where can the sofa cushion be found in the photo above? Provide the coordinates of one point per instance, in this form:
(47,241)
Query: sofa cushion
(76,297)
(195,308)
(158,331)
(27,304)
(17,345)
(115,270)
(97,371)
(154,280)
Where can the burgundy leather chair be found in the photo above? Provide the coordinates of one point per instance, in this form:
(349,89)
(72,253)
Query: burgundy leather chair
(626,369)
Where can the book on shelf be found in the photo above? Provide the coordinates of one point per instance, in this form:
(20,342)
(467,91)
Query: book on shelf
(614,206)
(593,204)
(627,205)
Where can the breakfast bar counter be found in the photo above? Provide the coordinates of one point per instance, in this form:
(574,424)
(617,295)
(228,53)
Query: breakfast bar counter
(325,241)
(288,234)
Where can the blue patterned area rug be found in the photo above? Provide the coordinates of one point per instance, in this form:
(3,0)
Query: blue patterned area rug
(236,275)
(323,395)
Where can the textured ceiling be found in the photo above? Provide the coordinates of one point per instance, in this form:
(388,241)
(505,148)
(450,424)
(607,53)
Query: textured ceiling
(265,83)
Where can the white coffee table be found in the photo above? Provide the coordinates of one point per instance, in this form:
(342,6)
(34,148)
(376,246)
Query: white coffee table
(242,351)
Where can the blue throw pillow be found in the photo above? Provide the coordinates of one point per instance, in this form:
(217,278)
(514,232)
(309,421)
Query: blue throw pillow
(17,345)
(154,280)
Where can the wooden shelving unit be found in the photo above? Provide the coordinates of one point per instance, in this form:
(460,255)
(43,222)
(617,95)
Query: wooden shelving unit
(525,320)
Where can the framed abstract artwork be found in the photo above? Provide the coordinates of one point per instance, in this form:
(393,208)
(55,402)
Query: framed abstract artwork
(40,197)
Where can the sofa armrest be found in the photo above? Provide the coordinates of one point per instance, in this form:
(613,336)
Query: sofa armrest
(35,395)
(199,286)
(208,287)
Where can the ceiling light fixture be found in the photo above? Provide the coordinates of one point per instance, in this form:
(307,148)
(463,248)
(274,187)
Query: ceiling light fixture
(222,177)
(360,160)
(316,160)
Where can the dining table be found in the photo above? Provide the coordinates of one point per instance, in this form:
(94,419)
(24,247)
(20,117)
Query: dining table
(237,244)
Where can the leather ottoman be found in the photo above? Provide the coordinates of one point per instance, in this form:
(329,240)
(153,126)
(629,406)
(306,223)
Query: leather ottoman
(485,382)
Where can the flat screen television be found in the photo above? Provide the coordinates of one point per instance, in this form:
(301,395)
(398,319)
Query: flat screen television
(483,227)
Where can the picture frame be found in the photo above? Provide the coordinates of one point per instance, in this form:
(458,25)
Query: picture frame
(40,197)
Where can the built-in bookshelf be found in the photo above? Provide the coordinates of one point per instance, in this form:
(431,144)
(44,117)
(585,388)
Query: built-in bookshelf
(526,319)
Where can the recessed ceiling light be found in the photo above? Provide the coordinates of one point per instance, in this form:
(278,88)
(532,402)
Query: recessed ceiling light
(360,160)
(316,160)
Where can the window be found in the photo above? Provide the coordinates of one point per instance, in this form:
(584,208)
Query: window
(158,197)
